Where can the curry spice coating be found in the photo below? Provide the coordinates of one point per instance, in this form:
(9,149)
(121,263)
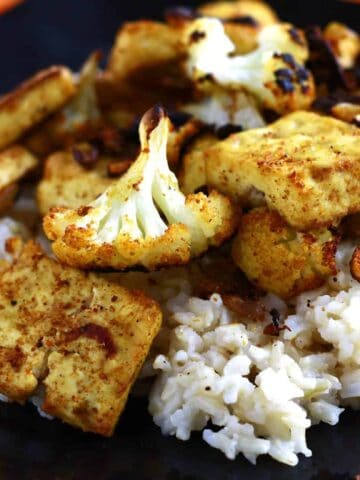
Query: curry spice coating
(306,165)
(279,259)
(77,334)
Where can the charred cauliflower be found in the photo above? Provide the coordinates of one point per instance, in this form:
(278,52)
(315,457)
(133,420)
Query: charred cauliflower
(143,219)
(273,73)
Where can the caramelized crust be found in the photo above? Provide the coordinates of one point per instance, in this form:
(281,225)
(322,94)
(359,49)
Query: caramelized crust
(280,260)
(306,165)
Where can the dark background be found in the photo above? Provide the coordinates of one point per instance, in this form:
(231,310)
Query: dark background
(43,32)
(39,33)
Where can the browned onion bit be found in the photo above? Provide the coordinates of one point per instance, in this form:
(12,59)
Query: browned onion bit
(85,154)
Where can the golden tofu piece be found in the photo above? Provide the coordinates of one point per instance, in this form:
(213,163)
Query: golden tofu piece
(66,183)
(32,101)
(306,165)
(80,336)
(344,42)
(15,163)
(279,259)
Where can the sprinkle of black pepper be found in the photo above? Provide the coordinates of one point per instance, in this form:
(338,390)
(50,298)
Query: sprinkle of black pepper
(13,302)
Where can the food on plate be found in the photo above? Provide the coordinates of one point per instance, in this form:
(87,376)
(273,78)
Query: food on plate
(78,119)
(32,101)
(280,259)
(78,335)
(68,183)
(228,238)
(305,165)
(274,73)
(192,175)
(15,163)
(124,226)
(344,42)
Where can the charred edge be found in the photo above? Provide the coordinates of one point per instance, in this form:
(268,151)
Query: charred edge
(196,36)
(286,77)
(242,20)
(38,79)
(96,332)
(152,118)
(208,77)
(296,36)
(226,130)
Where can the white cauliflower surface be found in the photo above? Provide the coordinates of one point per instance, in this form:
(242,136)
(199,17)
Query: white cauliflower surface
(143,218)
(273,73)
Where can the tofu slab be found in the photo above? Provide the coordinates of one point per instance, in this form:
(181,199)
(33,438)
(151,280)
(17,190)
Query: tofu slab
(15,162)
(81,337)
(32,101)
(306,165)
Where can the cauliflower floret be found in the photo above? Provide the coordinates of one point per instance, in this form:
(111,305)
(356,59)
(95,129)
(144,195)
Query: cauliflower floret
(273,73)
(344,42)
(143,219)
(280,259)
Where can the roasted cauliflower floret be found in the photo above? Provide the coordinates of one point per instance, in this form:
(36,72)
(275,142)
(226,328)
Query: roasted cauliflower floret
(280,259)
(224,107)
(305,165)
(142,219)
(259,11)
(344,42)
(273,73)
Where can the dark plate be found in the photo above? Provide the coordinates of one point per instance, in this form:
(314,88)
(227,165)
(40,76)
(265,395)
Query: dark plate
(43,32)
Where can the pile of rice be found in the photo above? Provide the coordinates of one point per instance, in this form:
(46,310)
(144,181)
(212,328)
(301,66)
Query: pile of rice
(248,392)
